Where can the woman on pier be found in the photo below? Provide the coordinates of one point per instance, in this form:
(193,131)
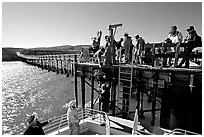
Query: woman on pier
(72,117)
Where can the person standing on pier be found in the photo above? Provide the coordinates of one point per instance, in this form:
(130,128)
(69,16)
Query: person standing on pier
(118,48)
(108,53)
(34,126)
(127,43)
(95,44)
(140,49)
(192,41)
(72,117)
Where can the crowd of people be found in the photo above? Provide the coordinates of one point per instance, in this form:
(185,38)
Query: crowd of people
(125,49)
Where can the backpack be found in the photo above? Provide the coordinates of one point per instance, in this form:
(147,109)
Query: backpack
(198,41)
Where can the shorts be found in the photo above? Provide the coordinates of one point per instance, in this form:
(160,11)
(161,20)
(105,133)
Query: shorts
(73,126)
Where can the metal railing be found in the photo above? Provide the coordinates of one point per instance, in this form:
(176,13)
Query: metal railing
(93,114)
(178,131)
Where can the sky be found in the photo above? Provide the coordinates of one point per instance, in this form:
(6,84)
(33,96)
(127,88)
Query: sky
(48,24)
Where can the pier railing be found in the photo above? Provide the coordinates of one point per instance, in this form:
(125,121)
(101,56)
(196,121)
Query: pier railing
(159,52)
(61,63)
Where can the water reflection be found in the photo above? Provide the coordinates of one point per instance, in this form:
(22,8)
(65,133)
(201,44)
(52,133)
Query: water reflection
(27,89)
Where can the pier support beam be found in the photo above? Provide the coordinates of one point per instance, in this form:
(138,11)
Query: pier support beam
(92,89)
(83,87)
(165,115)
(75,79)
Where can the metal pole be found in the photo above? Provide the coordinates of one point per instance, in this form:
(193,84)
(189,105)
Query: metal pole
(75,79)
(83,86)
(92,89)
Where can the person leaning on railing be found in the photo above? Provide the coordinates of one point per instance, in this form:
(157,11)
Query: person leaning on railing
(192,41)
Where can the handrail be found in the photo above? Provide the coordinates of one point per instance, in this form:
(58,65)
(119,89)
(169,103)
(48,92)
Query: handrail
(88,112)
(178,131)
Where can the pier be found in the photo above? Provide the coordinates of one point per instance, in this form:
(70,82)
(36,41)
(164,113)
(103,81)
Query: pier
(176,93)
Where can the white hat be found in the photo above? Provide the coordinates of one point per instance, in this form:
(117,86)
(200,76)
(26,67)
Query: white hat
(32,118)
(72,103)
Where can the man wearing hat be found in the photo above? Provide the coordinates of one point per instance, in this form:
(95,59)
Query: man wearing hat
(140,50)
(192,41)
(34,126)
(72,117)
(127,43)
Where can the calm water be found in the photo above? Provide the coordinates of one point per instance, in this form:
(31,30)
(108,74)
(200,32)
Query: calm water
(27,89)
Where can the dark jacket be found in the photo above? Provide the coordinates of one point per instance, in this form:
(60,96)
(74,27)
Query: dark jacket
(193,40)
(36,130)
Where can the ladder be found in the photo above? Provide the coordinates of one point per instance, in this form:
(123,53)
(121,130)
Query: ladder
(124,90)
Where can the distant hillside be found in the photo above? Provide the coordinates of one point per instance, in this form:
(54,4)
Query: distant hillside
(65,49)
(9,54)
(62,48)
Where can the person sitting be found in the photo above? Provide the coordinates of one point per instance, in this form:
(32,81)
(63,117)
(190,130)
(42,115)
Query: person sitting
(72,117)
(34,126)
(84,55)
(192,41)
(174,37)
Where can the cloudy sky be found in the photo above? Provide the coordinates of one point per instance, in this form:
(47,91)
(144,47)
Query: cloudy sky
(46,24)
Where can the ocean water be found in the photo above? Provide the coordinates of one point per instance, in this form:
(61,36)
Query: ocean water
(27,89)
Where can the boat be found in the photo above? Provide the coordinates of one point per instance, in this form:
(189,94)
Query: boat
(91,124)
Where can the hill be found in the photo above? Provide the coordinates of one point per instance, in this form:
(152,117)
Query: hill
(65,49)
(9,54)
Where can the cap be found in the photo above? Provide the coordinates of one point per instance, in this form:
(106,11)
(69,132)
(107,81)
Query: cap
(173,27)
(137,36)
(106,36)
(126,34)
(190,28)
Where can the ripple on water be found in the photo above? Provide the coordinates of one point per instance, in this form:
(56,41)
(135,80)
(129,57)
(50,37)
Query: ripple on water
(27,89)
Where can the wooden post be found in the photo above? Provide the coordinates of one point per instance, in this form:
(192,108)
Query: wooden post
(177,54)
(57,64)
(165,114)
(92,89)
(153,54)
(192,87)
(75,79)
(154,95)
(114,95)
(83,86)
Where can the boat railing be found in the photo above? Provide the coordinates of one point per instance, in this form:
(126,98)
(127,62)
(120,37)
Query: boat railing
(92,114)
(178,131)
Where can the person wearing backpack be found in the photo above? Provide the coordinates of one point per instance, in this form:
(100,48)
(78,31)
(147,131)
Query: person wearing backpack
(192,41)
